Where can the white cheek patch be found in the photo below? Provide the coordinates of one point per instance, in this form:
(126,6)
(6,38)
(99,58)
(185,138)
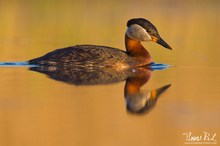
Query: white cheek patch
(138,33)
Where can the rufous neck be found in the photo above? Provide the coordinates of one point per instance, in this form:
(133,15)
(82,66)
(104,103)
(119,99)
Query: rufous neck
(135,49)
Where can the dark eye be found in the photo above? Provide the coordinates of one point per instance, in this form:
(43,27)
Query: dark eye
(148,31)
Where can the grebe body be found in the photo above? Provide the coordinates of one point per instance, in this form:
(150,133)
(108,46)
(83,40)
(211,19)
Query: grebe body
(138,30)
(87,56)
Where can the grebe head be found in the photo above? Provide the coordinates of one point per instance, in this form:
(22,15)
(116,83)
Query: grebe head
(140,29)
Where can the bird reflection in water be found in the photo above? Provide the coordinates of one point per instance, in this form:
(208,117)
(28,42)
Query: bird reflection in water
(137,101)
(140,101)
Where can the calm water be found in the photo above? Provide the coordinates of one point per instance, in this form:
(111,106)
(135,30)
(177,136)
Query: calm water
(39,109)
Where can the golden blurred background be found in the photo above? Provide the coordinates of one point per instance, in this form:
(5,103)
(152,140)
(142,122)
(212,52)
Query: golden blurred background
(32,28)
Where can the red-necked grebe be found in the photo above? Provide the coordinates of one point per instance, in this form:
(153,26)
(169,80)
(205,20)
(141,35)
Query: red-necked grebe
(138,30)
